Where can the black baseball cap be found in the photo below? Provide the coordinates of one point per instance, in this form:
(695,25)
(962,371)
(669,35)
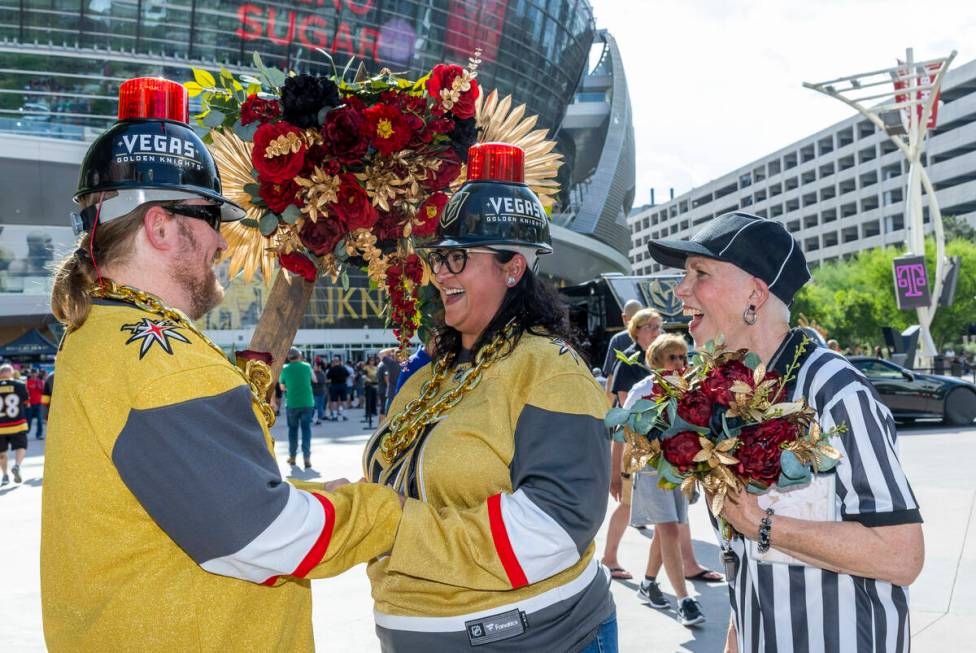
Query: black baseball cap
(763,248)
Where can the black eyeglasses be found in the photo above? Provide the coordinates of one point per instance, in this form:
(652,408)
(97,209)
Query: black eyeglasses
(455,259)
(207,212)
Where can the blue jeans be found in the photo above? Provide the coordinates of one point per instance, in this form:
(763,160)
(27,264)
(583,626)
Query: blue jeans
(303,417)
(606,637)
(319,406)
(35,412)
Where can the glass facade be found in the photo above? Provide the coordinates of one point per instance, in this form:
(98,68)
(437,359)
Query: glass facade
(62,60)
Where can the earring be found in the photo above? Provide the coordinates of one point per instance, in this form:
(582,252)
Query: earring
(749,315)
(510,281)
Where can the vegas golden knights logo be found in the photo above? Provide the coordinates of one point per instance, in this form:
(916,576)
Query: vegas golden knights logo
(453,210)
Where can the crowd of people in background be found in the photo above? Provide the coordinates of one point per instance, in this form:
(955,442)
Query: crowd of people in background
(25,394)
(327,388)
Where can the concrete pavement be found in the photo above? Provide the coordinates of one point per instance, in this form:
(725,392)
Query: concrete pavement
(940,463)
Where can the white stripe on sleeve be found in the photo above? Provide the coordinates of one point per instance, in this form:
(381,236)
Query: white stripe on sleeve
(281,547)
(542,546)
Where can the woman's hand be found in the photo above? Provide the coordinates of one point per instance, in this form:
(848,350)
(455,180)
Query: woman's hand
(332,486)
(616,486)
(741,510)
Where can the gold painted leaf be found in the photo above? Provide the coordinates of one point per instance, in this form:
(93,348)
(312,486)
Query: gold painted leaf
(726,459)
(741,387)
(702,456)
(718,501)
(727,444)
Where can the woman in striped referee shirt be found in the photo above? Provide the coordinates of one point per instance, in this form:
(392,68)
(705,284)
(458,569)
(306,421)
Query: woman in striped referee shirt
(844,548)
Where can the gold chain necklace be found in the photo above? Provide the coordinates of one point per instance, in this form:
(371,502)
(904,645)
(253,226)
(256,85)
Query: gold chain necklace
(408,424)
(257,374)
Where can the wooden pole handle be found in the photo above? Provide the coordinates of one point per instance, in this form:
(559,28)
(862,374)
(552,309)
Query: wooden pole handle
(281,317)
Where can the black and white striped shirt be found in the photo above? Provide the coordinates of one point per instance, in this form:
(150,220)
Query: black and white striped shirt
(780,607)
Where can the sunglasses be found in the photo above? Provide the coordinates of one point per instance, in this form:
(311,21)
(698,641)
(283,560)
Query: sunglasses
(207,212)
(455,260)
(678,357)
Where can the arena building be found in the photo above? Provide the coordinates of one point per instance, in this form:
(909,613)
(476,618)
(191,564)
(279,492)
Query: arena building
(838,191)
(62,63)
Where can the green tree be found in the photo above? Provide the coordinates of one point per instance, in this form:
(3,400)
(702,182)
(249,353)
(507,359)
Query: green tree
(853,299)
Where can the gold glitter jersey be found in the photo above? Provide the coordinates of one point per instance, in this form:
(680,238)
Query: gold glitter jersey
(506,493)
(166,525)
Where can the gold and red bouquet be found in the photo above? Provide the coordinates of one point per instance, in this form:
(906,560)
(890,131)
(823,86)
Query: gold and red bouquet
(723,423)
(352,170)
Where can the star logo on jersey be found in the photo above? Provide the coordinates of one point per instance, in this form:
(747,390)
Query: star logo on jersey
(564,348)
(147,332)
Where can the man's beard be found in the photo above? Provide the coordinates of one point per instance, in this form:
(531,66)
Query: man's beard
(202,287)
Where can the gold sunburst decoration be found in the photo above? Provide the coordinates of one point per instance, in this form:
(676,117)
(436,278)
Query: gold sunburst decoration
(247,248)
(498,122)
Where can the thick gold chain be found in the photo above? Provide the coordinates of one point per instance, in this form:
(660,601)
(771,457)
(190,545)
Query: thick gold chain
(409,423)
(258,375)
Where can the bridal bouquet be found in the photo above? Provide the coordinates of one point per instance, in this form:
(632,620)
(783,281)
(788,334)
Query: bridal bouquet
(723,423)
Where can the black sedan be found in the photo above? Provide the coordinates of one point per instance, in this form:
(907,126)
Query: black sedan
(911,395)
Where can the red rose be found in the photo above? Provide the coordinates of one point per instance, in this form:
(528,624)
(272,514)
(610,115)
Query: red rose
(254,108)
(322,236)
(279,167)
(720,379)
(344,133)
(760,451)
(388,226)
(352,204)
(300,265)
(459,102)
(680,450)
(279,196)
(429,215)
(413,268)
(448,171)
(695,408)
(387,128)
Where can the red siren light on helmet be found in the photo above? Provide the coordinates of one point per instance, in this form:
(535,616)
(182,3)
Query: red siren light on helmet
(153,98)
(496,162)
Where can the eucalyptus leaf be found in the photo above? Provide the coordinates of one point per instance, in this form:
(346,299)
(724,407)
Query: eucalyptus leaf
(245,132)
(786,481)
(792,467)
(753,488)
(644,422)
(275,77)
(679,425)
(291,214)
(268,224)
(752,360)
(322,113)
(728,432)
(250,223)
(616,417)
(344,278)
(254,190)
(617,435)
(258,63)
(643,405)
(672,410)
(214,119)
(668,473)
(826,463)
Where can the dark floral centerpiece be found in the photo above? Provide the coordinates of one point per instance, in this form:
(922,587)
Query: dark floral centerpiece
(353,170)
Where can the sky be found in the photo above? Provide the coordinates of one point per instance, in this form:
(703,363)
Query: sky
(717,84)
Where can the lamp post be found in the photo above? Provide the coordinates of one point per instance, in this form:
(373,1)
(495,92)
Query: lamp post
(905,112)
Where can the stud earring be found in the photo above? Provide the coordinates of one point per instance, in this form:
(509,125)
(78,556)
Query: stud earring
(510,281)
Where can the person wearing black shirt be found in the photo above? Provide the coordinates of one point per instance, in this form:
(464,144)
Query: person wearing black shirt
(337,376)
(622,340)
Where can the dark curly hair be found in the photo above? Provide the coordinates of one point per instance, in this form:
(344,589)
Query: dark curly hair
(532,303)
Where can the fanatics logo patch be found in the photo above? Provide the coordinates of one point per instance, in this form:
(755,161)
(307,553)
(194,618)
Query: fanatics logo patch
(146,332)
(496,627)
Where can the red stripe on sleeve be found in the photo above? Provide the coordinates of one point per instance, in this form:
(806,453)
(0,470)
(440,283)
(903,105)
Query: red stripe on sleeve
(317,552)
(503,545)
